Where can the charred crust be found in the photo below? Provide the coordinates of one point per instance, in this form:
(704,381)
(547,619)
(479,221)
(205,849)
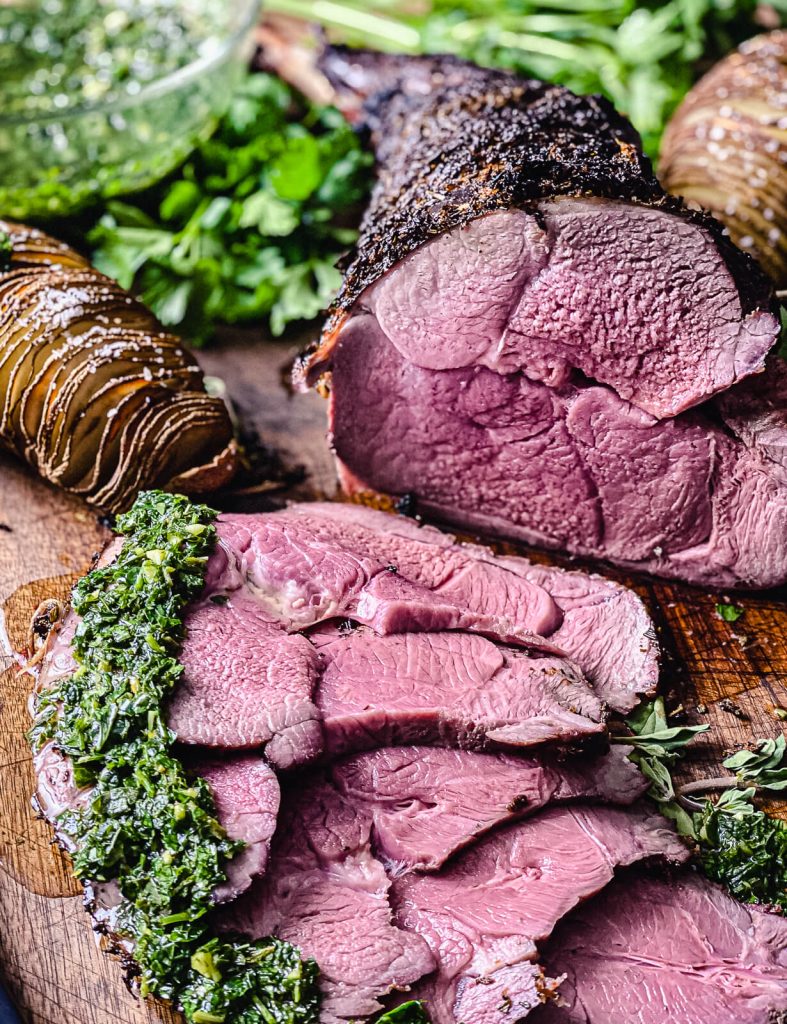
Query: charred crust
(454,141)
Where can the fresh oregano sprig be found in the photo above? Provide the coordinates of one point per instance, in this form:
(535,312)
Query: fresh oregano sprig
(738,845)
(657,746)
(147,824)
(764,765)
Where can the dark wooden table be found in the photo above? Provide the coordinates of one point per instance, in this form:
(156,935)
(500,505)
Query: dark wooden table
(731,675)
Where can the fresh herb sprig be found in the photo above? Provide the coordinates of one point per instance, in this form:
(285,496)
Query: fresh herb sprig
(657,747)
(250,228)
(146,823)
(738,845)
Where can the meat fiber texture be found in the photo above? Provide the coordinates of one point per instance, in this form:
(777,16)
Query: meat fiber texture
(427,803)
(484,915)
(650,949)
(328,893)
(528,322)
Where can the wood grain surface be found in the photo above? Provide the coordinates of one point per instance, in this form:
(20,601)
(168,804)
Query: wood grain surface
(731,675)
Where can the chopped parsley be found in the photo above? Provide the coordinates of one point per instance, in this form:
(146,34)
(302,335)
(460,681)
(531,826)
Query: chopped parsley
(147,824)
(249,229)
(729,612)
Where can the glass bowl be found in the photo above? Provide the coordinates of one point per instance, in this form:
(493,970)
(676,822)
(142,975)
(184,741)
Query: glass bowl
(61,161)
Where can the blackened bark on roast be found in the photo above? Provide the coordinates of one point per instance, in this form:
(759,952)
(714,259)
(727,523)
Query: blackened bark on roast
(454,141)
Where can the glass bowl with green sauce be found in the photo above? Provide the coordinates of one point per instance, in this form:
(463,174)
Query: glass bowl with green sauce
(101,98)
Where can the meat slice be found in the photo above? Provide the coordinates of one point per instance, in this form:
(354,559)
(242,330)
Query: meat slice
(447,689)
(486,911)
(246,683)
(300,579)
(246,794)
(518,227)
(701,497)
(433,560)
(427,803)
(649,949)
(326,893)
(601,625)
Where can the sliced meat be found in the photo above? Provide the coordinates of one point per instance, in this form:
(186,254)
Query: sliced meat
(246,683)
(601,625)
(606,629)
(649,949)
(246,793)
(577,468)
(301,577)
(433,560)
(326,893)
(427,803)
(447,689)
(485,913)
(250,674)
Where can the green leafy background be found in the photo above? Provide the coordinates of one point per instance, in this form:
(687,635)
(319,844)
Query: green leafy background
(250,228)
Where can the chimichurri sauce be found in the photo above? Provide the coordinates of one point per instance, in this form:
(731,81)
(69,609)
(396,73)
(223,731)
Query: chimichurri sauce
(59,54)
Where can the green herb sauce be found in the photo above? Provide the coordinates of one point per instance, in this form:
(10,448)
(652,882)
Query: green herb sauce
(91,104)
(746,852)
(56,54)
(147,824)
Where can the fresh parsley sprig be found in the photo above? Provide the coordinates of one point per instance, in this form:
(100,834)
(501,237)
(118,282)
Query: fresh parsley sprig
(250,228)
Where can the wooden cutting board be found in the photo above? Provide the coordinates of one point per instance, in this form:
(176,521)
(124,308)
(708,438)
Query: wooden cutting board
(731,675)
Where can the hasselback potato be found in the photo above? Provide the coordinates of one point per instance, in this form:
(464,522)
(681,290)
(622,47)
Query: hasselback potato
(726,148)
(94,394)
